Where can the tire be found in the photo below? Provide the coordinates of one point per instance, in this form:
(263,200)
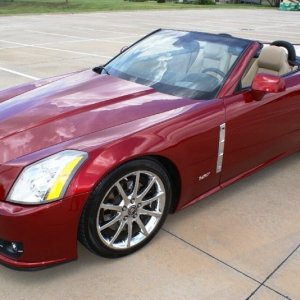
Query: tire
(126,209)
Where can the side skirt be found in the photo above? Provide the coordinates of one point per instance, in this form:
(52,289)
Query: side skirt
(239,177)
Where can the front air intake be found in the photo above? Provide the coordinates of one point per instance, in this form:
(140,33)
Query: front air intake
(11,249)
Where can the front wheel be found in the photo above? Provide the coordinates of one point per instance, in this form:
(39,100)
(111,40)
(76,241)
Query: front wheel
(126,209)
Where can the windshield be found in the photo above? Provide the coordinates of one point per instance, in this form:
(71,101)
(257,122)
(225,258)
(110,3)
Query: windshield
(186,64)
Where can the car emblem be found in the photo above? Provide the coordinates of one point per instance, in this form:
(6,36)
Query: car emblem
(204,176)
(132,210)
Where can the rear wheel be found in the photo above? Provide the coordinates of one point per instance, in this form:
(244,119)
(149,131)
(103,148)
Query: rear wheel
(126,209)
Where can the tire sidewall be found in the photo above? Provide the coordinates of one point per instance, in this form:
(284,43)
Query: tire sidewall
(97,196)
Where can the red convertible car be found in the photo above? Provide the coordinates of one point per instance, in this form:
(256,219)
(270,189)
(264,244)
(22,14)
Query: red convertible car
(103,155)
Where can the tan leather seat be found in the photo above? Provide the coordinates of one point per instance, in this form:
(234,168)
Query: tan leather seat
(215,56)
(272,60)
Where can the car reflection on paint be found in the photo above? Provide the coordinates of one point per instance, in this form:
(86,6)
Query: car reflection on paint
(103,155)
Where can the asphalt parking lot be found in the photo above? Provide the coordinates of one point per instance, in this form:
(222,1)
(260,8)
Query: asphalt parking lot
(241,243)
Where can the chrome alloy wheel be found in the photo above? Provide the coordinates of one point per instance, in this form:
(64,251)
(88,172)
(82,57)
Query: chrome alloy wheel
(131,210)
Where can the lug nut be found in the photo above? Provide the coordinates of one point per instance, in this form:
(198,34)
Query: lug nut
(135,215)
(124,208)
(125,218)
(132,201)
(139,205)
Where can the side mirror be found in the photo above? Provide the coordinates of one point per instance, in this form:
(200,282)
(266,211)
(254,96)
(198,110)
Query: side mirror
(266,83)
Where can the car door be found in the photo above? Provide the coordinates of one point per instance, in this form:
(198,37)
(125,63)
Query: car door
(260,130)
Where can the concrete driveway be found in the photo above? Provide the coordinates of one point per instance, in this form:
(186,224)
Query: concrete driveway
(241,243)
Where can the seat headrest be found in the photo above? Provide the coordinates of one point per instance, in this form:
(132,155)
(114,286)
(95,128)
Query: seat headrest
(272,58)
(214,51)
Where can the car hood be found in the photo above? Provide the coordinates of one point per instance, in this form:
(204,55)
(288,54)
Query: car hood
(74,106)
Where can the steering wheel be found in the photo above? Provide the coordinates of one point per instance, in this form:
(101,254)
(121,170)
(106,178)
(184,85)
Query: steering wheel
(214,70)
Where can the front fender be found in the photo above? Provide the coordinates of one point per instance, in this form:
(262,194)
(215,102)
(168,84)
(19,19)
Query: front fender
(187,137)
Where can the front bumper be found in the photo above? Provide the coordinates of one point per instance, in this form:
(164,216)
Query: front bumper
(47,233)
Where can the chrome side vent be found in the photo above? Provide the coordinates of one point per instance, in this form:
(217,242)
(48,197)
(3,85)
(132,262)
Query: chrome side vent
(221,148)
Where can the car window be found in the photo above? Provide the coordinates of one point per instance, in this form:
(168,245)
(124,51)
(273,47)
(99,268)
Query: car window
(265,61)
(187,64)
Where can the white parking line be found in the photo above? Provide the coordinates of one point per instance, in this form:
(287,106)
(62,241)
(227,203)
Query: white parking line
(73,36)
(124,26)
(19,73)
(44,44)
(11,47)
(109,31)
(56,49)
(16,43)
(62,42)
(70,51)
(54,34)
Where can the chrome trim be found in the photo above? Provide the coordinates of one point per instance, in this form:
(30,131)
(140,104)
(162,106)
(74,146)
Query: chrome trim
(221,148)
(131,210)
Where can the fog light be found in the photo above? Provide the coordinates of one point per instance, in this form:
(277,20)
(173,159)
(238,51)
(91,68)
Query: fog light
(11,249)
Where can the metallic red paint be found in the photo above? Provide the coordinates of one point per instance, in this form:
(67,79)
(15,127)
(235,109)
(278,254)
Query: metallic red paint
(48,232)
(76,106)
(259,131)
(267,83)
(114,121)
(112,129)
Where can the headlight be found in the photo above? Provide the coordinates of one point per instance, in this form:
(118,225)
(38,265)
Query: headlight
(46,180)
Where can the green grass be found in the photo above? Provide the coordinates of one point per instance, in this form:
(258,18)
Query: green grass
(54,6)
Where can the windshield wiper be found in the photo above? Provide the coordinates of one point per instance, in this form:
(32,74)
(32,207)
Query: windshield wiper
(99,70)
